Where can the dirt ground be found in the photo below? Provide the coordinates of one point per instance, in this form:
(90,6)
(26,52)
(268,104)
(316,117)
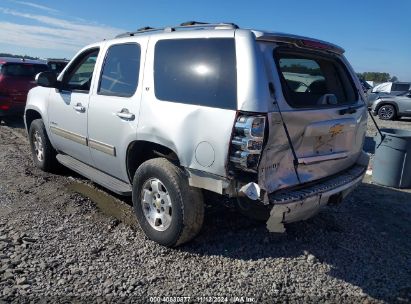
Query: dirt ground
(64,239)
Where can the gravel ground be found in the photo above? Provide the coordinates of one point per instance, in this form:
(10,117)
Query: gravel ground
(57,245)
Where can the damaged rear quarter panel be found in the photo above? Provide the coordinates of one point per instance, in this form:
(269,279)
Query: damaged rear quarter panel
(190,131)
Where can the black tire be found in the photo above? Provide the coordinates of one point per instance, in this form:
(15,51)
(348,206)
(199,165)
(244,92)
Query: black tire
(186,202)
(387,112)
(256,211)
(48,162)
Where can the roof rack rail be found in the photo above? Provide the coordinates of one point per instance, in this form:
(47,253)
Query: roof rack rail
(206,24)
(145,28)
(184,25)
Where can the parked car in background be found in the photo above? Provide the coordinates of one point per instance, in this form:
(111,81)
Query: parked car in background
(387,89)
(57,65)
(392,88)
(389,107)
(16,79)
(273,121)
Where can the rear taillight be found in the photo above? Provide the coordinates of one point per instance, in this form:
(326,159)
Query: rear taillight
(247,142)
(4,107)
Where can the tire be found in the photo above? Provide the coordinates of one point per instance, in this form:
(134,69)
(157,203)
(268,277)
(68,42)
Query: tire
(256,211)
(387,112)
(169,211)
(44,155)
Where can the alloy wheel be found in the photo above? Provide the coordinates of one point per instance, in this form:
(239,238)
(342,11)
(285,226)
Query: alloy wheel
(156,204)
(386,112)
(38,146)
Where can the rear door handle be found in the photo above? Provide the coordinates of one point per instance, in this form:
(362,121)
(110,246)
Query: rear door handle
(79,108)
(125,114)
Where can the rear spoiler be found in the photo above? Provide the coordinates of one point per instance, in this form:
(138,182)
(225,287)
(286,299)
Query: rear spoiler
(301,42)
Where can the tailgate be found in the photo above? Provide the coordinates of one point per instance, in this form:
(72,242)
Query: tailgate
(324,116)
(324,141)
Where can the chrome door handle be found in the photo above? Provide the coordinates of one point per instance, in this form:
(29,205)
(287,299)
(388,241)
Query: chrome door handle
(79,108)
(125,114)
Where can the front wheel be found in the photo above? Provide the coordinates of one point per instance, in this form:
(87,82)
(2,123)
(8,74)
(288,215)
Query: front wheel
(169,211)
(44,155)
(387,112)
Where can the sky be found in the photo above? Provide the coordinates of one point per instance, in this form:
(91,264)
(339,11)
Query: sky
(374,33)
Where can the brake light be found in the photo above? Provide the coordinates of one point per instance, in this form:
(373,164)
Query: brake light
(314,44)
(247,142)
(4,107)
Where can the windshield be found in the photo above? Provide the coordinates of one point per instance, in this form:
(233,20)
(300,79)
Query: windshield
(22,69)
(312,79)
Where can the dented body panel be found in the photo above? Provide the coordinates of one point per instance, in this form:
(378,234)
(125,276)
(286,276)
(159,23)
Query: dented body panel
(306,202)
(320,151)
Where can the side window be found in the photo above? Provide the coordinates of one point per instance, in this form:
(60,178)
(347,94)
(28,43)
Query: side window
(196,71)
(400,87)
(78,78)
(119,76)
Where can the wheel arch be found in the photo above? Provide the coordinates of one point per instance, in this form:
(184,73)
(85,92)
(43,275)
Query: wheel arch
(30,116)
(387,102)
(140,151)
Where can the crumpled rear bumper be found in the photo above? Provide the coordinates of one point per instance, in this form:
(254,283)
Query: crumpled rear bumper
(291,205)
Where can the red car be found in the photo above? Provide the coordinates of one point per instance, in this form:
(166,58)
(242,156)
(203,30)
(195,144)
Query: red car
(16,79)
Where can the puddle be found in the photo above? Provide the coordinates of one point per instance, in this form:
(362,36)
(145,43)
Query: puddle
(106,203)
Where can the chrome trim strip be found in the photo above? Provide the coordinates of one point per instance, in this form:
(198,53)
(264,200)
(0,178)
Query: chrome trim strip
(102,147)
(69,135)
(316,159)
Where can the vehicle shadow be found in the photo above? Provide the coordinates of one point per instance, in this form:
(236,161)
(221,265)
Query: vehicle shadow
(13,122)
(365,240)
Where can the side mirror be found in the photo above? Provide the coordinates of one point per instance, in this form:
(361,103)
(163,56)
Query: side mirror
(46,79)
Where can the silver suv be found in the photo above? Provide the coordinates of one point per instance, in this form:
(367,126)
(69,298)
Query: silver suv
(274,121)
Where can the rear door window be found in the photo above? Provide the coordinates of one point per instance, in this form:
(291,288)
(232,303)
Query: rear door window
(196,71)
(121,67)
(313,80)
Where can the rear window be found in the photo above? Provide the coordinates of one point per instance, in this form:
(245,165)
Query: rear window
(22,69)
(196,71)
(312,80)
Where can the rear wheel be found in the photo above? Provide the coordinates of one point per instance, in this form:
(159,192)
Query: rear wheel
(44,155)
(387,112)
(169,211)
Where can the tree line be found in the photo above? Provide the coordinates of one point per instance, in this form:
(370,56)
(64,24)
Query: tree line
(377,77)
(18,56)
